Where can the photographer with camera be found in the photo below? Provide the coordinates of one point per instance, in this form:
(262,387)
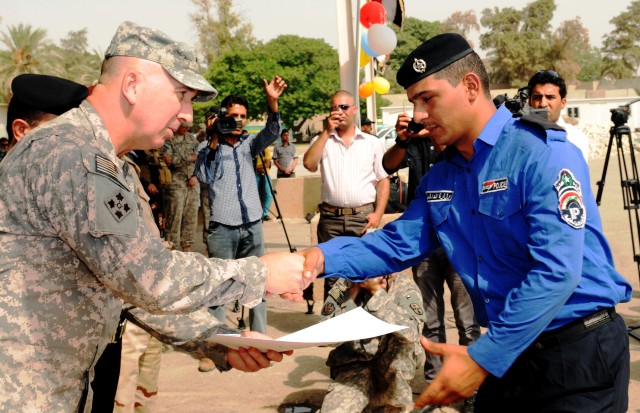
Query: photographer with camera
(226,165)
(548,90)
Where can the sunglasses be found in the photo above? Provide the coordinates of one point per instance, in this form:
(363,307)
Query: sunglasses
(342,107)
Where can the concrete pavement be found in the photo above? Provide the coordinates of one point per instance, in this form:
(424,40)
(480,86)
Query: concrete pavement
(299,383)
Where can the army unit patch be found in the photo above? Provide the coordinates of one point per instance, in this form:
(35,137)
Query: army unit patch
(570,203)
(328,309)
(118,205)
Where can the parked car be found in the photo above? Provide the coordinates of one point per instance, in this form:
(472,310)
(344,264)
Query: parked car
(389,135)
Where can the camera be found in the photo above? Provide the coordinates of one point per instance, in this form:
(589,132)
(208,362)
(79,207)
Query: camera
(518,105)
(224,124)
(414,127)
(620,115)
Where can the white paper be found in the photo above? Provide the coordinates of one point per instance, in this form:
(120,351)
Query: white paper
(356,324)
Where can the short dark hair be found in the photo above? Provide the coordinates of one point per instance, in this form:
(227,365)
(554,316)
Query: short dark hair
(543,77)
(284,131)
(470,63)
(234,100)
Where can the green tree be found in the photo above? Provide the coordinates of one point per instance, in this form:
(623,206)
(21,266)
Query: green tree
(517,41)
(568,44)
(220,29)
(309,66)
(80,65)
(414,32)
(462,23)
(29,51)
(621,47)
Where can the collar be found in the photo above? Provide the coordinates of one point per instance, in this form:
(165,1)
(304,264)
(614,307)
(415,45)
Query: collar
(489,134)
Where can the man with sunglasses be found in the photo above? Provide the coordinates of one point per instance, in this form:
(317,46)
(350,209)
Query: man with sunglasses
(511,205)
(355,186)
(547,89)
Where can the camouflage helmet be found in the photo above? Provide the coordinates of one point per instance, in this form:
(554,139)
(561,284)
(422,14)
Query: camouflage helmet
(175,57)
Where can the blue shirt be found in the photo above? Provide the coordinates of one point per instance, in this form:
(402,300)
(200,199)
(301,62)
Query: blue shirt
(229,172)
(519,223)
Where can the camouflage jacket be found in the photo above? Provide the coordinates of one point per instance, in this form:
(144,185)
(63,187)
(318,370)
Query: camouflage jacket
(182,150)
(401,305)
(73,247)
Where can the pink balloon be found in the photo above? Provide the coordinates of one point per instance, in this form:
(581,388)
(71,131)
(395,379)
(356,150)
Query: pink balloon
(372,13)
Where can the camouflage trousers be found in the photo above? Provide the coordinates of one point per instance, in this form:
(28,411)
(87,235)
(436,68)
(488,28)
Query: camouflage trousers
(139,370)
(378,385)
(181,205)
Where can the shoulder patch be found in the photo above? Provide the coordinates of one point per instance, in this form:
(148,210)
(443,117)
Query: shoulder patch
(570,203)
(118,205)
(105,167)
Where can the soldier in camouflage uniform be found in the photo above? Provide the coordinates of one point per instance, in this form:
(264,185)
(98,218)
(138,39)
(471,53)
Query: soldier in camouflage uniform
(376,372)
(73,245)
(182,195)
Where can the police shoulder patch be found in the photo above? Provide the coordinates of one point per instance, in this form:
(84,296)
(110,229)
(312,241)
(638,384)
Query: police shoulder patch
(570,202)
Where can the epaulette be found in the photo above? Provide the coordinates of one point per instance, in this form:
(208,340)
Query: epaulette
(553,131)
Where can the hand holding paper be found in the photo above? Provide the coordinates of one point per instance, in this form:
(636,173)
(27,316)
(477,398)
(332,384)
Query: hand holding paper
(356,324)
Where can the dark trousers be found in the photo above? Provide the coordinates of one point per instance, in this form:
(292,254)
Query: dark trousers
(431,275)
(331,226)
(588,373)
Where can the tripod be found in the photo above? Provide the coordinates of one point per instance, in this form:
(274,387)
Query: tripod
(629,181)
(241,323)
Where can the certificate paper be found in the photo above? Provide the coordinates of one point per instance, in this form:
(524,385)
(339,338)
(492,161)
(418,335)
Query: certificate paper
(356,324)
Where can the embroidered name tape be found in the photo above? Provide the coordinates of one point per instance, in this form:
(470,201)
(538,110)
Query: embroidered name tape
(439,196)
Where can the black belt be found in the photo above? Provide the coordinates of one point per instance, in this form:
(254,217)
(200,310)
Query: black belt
(575,328)
(337,211)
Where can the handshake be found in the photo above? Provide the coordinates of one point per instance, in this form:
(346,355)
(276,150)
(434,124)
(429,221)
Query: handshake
(290,273)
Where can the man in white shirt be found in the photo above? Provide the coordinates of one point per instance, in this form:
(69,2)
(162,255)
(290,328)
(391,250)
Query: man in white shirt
(547,89)
(355,186)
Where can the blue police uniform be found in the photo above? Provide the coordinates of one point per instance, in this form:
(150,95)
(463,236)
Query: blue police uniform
(519,223)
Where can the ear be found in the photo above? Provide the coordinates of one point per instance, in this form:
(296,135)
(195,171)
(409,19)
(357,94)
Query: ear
(20,128)
(471,82)
(131,82)
(563,102)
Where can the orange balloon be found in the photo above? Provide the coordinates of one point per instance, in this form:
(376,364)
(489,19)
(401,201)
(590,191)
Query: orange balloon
(365,90)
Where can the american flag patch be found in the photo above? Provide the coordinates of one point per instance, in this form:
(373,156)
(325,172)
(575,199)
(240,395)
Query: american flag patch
(105,167)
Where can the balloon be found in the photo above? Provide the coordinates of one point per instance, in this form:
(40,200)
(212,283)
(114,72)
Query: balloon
(381,85)
(381,39)
(364,58)
(366,48)
(372,13)
(365,90)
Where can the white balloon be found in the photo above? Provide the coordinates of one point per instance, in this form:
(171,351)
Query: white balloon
(381,39)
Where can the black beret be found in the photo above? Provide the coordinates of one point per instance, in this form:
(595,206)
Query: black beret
(366,121)
(47,94)
(431,56)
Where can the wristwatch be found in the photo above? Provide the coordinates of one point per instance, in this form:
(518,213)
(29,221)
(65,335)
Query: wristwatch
(403,144)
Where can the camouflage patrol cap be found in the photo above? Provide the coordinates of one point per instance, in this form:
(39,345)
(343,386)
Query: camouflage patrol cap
(175,57)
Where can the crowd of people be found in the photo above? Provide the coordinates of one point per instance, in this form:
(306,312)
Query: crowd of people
(99,197)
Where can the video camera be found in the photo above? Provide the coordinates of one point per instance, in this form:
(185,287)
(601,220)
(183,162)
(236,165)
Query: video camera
(518,105)
(224,124)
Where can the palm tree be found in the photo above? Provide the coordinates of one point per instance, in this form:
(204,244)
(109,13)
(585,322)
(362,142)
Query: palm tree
(29,51)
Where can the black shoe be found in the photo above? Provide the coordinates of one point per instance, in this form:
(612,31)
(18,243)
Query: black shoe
(236,307)
(310,307)
(266,218)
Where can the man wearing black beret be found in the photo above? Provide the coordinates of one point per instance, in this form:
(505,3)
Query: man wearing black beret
(37,99)
(511,205)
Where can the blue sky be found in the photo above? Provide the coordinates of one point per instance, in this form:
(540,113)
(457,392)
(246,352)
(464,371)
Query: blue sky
(308,18)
